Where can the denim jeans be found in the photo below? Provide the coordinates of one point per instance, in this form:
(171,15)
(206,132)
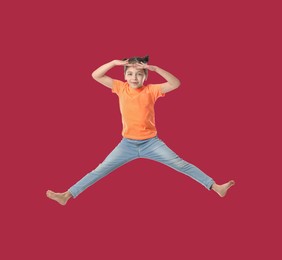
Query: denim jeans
(128,150)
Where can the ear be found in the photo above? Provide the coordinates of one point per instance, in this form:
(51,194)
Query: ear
(124,75)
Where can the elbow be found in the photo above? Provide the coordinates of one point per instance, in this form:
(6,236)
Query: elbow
(94,76)
(177,84)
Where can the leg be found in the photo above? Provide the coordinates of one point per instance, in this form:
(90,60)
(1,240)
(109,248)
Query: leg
(157,150)
(118,157)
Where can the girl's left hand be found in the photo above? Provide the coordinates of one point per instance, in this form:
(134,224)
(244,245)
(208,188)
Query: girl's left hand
(142,65)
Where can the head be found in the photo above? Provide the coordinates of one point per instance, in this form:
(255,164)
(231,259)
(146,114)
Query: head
(135,76)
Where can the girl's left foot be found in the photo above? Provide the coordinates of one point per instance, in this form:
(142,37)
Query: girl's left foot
(222,189)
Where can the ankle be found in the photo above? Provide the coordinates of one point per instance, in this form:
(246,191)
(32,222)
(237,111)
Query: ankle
(214,187)
(67,195)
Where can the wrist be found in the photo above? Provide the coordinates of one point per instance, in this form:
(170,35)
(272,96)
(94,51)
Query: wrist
(114,62)
(153,68)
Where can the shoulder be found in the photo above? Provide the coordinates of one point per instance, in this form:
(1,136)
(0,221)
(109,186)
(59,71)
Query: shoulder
(155,90)
(118,85)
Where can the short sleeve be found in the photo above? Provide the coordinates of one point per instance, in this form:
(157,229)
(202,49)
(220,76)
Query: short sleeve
(156,91)
(117,85)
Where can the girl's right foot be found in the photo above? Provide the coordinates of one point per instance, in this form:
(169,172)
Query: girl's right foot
(222,189)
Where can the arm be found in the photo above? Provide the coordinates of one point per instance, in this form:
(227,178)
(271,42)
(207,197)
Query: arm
(172,82)
(99,73)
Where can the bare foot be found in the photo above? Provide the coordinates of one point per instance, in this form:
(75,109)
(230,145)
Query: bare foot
(61,198)
(222,189)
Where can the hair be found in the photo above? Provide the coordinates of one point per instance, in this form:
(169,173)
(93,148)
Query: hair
(134,60)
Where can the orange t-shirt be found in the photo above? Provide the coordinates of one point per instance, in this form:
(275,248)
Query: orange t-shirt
(137,109)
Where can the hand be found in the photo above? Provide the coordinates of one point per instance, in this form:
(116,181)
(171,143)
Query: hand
(142,65)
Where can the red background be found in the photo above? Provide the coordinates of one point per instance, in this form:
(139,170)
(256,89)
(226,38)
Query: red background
(57,124)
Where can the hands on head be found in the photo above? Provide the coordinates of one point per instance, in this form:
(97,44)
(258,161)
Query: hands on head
(137,65)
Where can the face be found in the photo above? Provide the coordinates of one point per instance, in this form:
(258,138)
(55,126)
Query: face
(135,77)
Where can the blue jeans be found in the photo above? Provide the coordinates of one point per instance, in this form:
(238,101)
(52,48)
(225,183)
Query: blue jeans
(128,150)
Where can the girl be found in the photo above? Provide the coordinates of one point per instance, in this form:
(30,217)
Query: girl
(139,132)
